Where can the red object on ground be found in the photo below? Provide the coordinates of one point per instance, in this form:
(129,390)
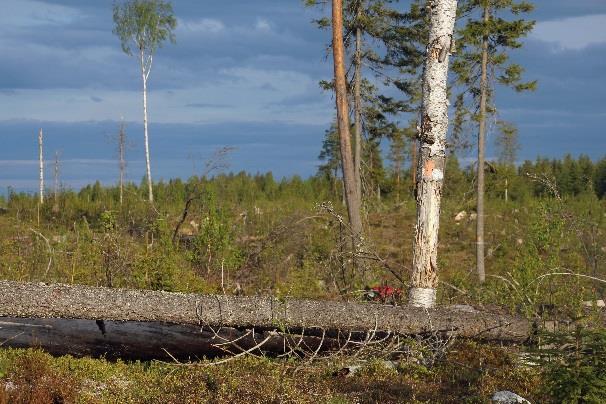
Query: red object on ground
(385,293)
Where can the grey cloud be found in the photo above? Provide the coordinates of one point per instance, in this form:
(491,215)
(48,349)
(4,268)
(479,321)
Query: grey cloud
(207,105)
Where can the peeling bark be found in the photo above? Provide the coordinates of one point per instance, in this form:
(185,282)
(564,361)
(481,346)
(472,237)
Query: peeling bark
(430,169)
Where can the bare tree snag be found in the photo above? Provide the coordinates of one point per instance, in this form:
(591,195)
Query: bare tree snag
(430,170)
(349,181)
(56,183)
(122,159)
(41,165)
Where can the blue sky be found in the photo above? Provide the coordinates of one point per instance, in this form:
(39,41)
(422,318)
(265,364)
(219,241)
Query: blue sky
(244,74)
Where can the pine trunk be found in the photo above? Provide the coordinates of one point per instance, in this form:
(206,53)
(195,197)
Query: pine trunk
(358,107)
(413,165)
(430,171)
(145,132)
(481,150)
(41,163)
(349,181)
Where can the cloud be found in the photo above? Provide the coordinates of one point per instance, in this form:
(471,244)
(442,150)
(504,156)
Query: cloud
(203,25)
(28,13)
(206,105)
(575,33)
(262,25)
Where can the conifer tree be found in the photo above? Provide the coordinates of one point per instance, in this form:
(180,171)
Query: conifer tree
(482,61)
(349,181)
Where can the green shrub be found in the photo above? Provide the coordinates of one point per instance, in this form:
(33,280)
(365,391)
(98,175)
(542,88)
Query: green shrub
(575,365)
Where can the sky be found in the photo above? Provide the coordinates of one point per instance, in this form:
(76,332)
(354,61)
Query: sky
(244,74)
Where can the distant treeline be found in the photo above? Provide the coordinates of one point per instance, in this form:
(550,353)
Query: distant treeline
(567,176)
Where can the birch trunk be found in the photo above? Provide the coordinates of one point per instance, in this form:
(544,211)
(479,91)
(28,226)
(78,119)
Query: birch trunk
(481,149)
(358,107)
(41,161)
(349,181)
(144,75)
(430,171)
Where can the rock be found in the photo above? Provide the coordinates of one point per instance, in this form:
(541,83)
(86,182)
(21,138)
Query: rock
(519,241)
(508,397)
(9,386)
(194,225)
(347,371)
(59,239)
(460,216)
(597,303)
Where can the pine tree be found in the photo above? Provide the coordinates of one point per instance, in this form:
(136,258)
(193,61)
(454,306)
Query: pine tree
(482,61)
(331,157)
(507,143)
(374,33)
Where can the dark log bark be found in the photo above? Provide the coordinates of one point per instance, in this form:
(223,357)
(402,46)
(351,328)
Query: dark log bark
(162,319)
(136,340)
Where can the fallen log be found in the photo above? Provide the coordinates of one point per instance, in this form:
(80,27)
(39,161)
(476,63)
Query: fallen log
(143,324)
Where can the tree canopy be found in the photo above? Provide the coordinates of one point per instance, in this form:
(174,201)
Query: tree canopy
(146,24)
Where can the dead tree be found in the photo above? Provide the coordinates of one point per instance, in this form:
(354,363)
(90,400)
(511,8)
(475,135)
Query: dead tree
(432,156)
(41,165)
(121,157)
(56,183)
(84,320)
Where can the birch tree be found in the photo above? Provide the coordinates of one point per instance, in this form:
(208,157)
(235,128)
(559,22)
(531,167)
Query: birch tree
(350,184)
(432,153)
(144,25)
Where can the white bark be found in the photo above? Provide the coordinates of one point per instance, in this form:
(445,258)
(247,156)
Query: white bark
(41,161)
(430,170)
(145,69)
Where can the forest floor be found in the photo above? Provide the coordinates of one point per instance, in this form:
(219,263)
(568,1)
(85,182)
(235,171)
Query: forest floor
(467,372)
(288,246)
